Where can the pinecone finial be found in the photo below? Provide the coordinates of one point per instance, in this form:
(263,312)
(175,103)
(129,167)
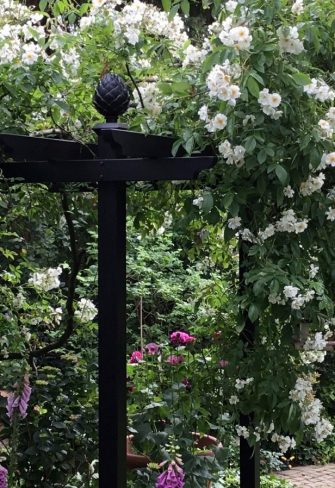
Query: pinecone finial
(111,97)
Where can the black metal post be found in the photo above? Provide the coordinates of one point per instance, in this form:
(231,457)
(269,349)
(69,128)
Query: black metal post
(112,322)
(112,335)
(249,456)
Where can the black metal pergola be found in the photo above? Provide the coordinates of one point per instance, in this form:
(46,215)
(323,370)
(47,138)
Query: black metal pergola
(120,156)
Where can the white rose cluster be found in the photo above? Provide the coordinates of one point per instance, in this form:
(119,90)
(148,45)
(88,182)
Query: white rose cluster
(219,82)
(238,37)
(313,270)
(289,41)
(130,20)
(288,191)
(240,384)
(197,202)
(330,214)
(247,235)
(327,125)
(328,159)
(234,223)
(284,442)
(320,90)
(56,314)
(269,102)
(242,431)
(311,408)
(46,279)
(232,155)
(314,348)
(13,39)
(86,310)
(150,97)
(289,223)
(194,55)
(218,122)
(298,300)
(233,400)
(313,184)
(298,7)
(230,6)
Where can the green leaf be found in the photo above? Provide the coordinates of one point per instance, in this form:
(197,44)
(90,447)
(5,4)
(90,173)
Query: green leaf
(262,156)
(185,7)
(42,5)
(282,174)
(189,145)
(207,203)
(301,79)
(166,5)
(250,144)
(176,146)
(165,88)
(181,88)
(228,233)
(228,200)
(253,312)
(253,87)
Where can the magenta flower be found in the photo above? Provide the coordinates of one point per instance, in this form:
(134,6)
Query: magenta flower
(181,338)
(3,477)
(173,477)
(136,357)
(223,363)
(175,359)
(186,382)
(20,402)
(152,348)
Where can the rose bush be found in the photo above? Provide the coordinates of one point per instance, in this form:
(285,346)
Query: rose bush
(255,87)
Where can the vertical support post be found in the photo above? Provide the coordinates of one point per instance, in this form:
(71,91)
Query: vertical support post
(249,456)
(112,334)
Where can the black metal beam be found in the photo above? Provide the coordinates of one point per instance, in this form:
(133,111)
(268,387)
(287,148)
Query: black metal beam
(26,148)
(131,169)
(112,334)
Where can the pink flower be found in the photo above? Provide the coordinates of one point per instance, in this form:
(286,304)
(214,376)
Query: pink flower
(175,359)
(152,348)
(136,357)
(223,363)
(19,401)
(181,338)
(3,477)
(173,477)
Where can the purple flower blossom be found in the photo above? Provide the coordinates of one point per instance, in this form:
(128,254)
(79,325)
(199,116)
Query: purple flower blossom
(20,402)
(3,477)
(186,382)
(152,348)
(173,477)
(175,359)
(181,338)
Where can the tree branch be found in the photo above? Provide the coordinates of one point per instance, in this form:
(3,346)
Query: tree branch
(135,85)
(77,256)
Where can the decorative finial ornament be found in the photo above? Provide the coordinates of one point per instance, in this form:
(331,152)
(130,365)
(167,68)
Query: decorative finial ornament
(111,97)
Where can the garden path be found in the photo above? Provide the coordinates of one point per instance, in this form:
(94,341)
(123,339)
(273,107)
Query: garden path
(311,476)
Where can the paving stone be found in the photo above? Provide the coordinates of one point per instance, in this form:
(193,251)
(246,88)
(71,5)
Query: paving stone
(311,476)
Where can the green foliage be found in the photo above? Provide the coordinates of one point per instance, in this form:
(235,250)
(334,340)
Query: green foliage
(186,277)
(231,480)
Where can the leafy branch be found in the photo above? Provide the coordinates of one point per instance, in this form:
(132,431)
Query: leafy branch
(77,257)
